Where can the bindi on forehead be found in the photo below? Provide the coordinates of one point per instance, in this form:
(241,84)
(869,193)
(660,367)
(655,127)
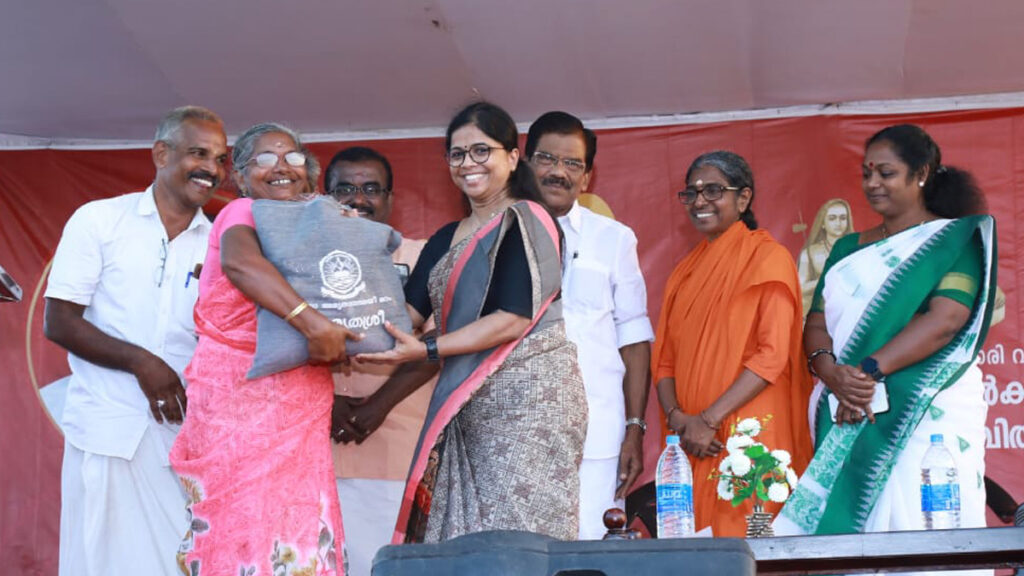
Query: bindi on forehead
(879,165)
(280,144)
(701,183)
(275,140)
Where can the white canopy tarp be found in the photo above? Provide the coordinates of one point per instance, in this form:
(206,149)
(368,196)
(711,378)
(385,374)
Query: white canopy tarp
(104,70)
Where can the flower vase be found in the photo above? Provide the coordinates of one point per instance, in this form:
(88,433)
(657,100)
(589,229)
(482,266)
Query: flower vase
(759,523)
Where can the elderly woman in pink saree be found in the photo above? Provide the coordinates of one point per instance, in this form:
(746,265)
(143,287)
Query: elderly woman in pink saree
(254,455)
(503,437)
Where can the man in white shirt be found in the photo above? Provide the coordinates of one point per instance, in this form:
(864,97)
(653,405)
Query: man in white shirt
(371,468)
(604,300)
(120,299)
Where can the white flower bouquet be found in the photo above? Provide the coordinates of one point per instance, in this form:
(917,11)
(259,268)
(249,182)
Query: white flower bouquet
(750,469)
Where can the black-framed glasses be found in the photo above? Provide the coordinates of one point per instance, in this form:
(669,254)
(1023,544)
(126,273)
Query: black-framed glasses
(478,153)
(349,191)
(158,274)
(710,192)
(549,160)
(270,159)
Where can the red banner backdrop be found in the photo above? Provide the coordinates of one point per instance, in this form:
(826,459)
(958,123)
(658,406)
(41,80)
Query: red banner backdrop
(799,163)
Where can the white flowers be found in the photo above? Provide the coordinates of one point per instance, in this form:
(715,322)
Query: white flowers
(737,443)
(749,426)
(740,464)
(725,489)
(783,457)
(751,470)
(778,492)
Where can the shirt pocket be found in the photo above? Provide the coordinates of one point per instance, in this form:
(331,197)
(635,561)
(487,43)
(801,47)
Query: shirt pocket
(589,288)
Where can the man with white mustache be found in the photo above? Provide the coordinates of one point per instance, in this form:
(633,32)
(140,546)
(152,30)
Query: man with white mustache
(120,299)
(604,301)
(371,468)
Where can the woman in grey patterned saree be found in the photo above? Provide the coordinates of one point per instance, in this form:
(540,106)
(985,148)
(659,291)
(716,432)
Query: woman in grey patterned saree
(503,436)
(907,303)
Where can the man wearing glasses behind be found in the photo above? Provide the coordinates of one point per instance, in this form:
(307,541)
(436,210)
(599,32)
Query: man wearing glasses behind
(604,301)
(371,468)
(120,299)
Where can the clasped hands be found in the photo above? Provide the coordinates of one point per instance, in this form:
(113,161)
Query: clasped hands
(354,419)
(695,436)
(853,388)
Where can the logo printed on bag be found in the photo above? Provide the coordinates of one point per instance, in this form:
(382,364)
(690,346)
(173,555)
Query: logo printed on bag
(342,276)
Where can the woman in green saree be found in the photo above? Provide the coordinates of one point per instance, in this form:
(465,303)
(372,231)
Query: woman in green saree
(907,303)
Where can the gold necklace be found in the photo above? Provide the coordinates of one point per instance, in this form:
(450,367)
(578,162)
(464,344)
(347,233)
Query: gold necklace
(478,221)
(885,231)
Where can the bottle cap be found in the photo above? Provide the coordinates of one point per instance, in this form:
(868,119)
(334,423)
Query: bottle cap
(671,439)
(936,438)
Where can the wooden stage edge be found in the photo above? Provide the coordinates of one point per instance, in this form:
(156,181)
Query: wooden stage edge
(890,551)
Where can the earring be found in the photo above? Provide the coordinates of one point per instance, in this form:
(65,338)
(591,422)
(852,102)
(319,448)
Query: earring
(920,184)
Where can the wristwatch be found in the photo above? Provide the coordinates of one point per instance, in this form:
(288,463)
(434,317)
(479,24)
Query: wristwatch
(637,422)
(870,367)
(432,353)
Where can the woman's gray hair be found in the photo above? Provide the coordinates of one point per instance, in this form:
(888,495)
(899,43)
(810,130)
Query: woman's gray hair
(244,148)
(737,173)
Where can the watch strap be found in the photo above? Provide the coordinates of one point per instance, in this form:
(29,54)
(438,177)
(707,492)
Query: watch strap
(870,367)
(637,422)
(433,355)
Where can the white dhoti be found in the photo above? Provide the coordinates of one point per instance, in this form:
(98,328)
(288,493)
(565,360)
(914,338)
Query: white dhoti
(598,481)
(121,517)
(369,511)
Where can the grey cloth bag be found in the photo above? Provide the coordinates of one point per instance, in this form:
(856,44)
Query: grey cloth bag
(341,266)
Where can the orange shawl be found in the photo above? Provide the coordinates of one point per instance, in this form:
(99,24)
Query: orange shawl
(707,332)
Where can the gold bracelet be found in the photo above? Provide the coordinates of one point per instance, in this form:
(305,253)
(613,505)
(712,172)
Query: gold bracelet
(296,311)
(707,421)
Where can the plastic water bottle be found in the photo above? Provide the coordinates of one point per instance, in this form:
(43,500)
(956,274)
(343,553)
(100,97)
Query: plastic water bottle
(940,488)
(674,481)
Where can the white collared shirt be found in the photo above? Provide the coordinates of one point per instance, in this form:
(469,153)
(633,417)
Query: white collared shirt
(604,300)
(114,258)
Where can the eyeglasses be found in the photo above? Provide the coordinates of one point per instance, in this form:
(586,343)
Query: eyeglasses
(158,274)
(349,191)
(270,159)
(710,192)
(549,160)
(479,153)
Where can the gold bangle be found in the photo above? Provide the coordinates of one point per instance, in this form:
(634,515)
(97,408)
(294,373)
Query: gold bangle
(296,311)
(707,421)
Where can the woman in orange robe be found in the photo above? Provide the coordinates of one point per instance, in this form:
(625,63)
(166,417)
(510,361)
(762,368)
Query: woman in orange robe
(728,344)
